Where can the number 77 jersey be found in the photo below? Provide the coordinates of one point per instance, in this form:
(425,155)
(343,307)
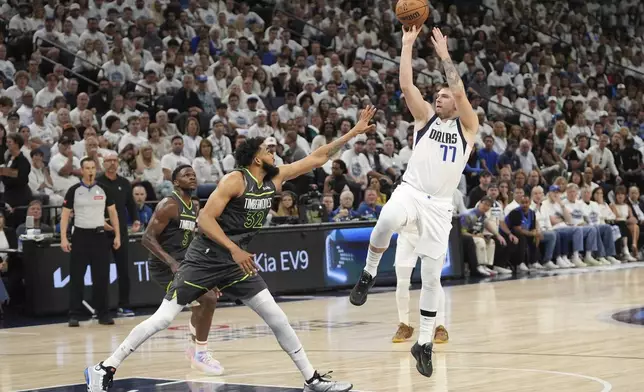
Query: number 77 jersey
(438,158)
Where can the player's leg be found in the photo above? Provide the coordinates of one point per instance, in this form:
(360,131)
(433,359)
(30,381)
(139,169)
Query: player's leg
(429,300)
(201,320)
(404,263)
(393,216)
(190,283)
(440,332)
(254,294)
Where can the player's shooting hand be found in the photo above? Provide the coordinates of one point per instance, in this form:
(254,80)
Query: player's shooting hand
(362,125)
(410,34)
(440,43)
(245,260)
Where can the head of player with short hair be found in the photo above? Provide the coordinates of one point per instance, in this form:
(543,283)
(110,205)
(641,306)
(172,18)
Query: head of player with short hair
(445,105)
(88,169)
(184,179)
(255,153)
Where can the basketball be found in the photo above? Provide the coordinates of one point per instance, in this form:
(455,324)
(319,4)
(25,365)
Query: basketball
(412,12)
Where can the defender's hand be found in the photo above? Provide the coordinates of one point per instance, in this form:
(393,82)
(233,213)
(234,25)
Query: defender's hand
(366,115)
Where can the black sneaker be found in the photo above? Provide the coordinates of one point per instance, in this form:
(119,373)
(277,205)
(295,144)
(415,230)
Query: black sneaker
(423,355)
(106,320)
(73,322)
(359,293)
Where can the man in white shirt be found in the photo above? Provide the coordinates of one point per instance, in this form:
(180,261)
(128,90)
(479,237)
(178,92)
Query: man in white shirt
(560,217)
(389,159)
(132,137)
(289,111)
(602,157)
(579,217)
(550,239)
(46,96)
(40,130)
(357,163)
(518,193)
(605,242)
(261,127)
(40,181)
(526,157)
(79,148)
(171,160)
(221,146)
(79,22)
(499,104)
(64,167)
(580,127)
(549,114)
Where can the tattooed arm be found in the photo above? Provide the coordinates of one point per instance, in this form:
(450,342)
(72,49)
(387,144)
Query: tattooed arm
(320,156)
(467,115)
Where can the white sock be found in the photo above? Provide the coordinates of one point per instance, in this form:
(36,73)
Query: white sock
(426,330)
(373,260)
(265,306)
(159,321)
(193,330)
(575,255)
(403,275)
(201,347)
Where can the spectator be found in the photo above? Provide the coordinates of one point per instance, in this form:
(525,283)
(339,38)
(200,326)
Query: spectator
(171,160)
(208,169)
(191,138)
(603,158)
(40,181)
(550,241)
(522,222)
(15,176)
(345,210)
(624,213)
(606,213)
(526,157)
(144,212)
(34,209)
(559,215)
(374,184)
(516,201)
(287,206)
(160,144)
(473,224)
(64,167)
(151,173)
(369,208)
(605,242)
(631,164)
(579,218)
(477,193)
(510,158)
(487,156)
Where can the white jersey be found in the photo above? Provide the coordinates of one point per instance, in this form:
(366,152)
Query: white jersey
(439,156)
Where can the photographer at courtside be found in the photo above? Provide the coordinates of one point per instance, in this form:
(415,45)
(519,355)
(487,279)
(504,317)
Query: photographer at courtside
(90,244)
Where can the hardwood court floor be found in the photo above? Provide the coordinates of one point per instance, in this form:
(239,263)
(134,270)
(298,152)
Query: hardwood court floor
(548,334)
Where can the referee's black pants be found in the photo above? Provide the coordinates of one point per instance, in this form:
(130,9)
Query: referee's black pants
(89,247)
(122,260)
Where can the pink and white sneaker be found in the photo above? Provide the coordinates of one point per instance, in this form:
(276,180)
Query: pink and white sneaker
(205,363)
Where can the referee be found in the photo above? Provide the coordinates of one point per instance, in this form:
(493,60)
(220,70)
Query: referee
(90,244)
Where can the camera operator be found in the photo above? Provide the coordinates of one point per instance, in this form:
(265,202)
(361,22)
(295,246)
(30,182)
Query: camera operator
(339,181)
(312,209)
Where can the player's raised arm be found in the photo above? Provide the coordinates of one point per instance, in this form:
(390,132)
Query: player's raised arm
(320,156)
(160,219)
(419,108)
(468,116)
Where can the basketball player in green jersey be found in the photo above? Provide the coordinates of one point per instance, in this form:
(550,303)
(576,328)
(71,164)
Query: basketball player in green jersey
(218,258)
(167,237)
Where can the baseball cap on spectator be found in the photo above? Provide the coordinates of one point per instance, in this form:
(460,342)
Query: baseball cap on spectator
(261,112)
(554,188)
(229,41)
(603,113)
(13,115)
(36,151)
(271,141)
(620,86)
(74,6)
(202,78)
(310,81)
(552,99)
(283,70)
(391,124)
(65,140)
(173,111)
(216,120)
(362,138)
(532,99)
(486,199)
(252,97)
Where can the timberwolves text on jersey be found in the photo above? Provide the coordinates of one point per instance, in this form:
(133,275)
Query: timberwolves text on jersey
(256,210)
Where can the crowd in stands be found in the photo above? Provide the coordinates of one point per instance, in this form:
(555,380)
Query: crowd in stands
(558,86)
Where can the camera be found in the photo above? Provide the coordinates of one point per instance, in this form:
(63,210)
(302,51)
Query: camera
(311,208)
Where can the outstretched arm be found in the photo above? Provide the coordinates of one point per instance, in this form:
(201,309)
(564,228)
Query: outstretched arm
(419,108)
(468,116)
(319,157)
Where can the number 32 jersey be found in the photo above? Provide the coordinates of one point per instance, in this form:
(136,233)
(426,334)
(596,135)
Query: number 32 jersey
(245,215)
(438,158)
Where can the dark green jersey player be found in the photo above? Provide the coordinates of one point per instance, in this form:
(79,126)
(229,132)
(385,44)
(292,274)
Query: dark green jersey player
(218,258)
(167,237)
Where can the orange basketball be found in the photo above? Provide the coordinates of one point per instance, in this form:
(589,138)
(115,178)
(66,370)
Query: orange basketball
(412,12)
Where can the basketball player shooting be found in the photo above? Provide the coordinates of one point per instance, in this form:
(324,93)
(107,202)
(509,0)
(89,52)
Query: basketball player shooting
(422,203)
(167,237)
(217,258)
